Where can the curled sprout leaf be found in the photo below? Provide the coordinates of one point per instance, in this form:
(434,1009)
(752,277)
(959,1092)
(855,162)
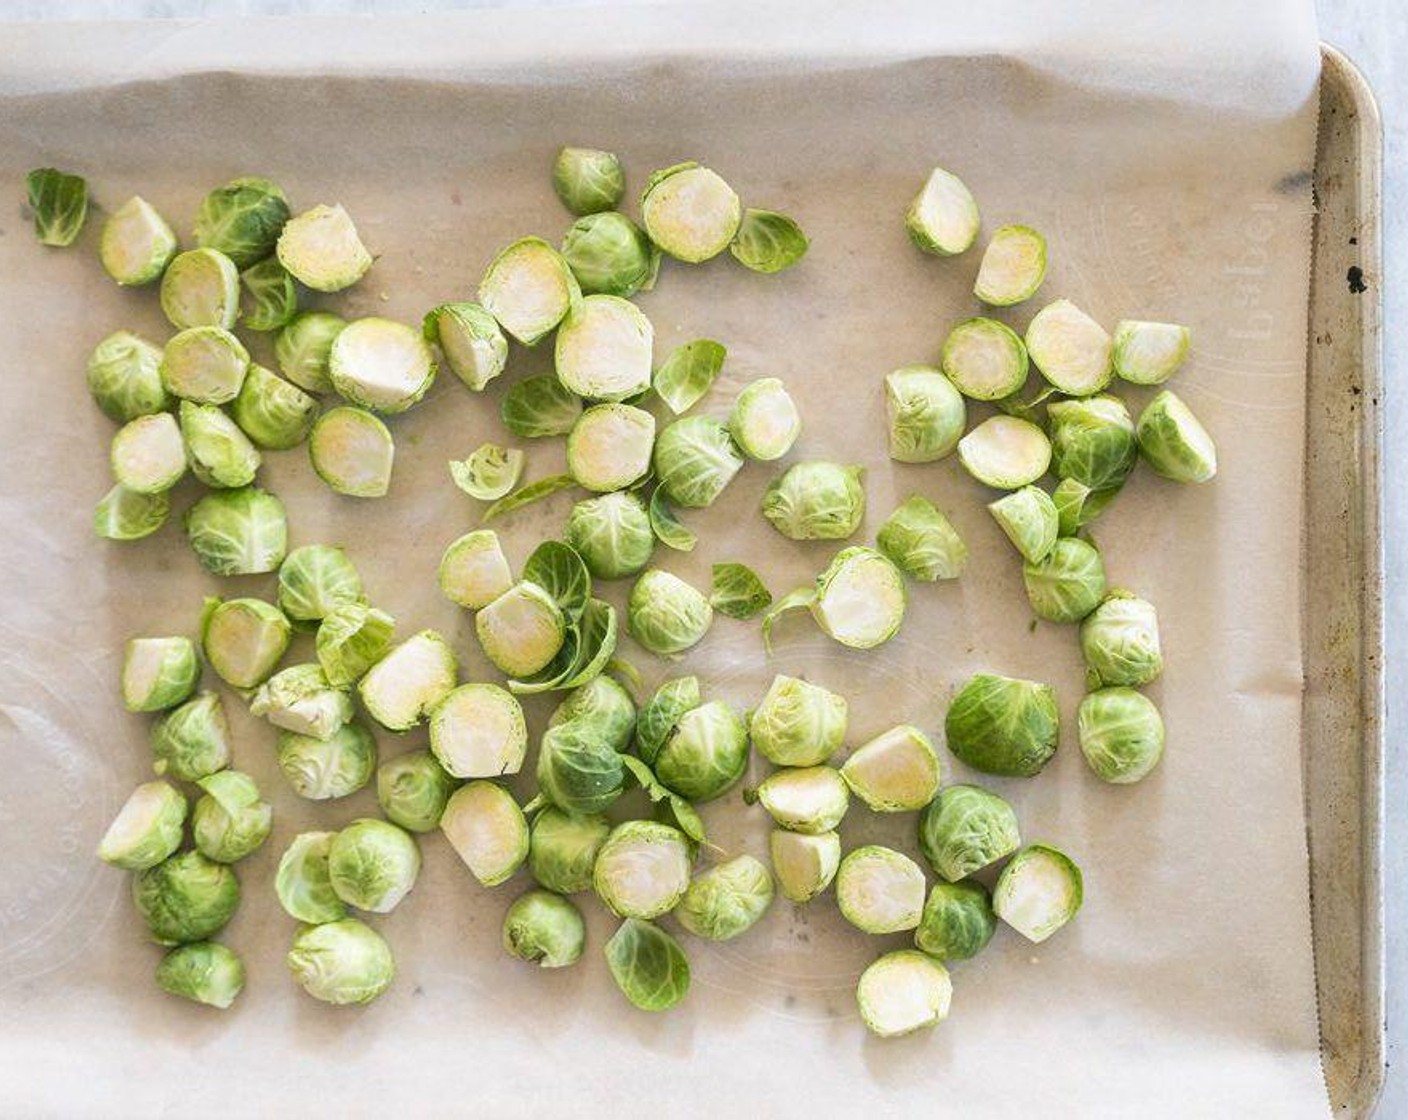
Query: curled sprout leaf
(793,600)
(540,406)
(558,570)
(489,473)
(527,495)
(60,205)
(738,592)
(686,375)
(668,529)
(768,241)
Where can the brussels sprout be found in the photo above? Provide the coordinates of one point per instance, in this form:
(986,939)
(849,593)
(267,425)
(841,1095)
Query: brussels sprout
(727,900)
(1013,267)
(201,288)
(662,712)
(687,374)
(478,731)
(220,454)
(269,298)
(966,828)
(410,680)
(303,883)
(1068,584)
(272,412)
(1039,891)
(1120,641)
(381,364)
(322,769)
(690,212)
(522,630)
(611,533)
(648,965)
(243,640)
(125,515)
(943,218)
(1003,725)
(812,799)
(588,180)
(695,458)
(124,376)
(473,571)
(193,740)
(205,972)
(484,824)
(859,600)
(185,898)
(158,673)
(922,542)
(764,422)
(315,580)
(738,591)
(540,406)
(303,347)
(706,753)
(768,242)
(230,821)
(350,640)
(1077,505)
(1005,452)
(204,364)
(1121,734)
(341,962)
(373,865)
(880,890)
(804,863)
(665,615)
(1149,353)
(148,456)
(528,288)
(59,202)
(1070,348)
(815,501)
(137,243)
(602,705)
(609,254)
(985,360)
(1030,519)
(1173,442)
(563,848)
(351,450)
(1092,441)
(300,699)
(603,349)
(798,723)
(320,247)
(895,772)
(903,992)
(957,922)
(578,771)
(925,412)
(413,789)
(146,829)
(545,929)
(242,219)
(238,532)
(642,870)
(471,341)
(609,448)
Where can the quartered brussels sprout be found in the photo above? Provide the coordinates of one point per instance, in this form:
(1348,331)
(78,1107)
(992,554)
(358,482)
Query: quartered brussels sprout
(410,680)
(943,218)
(303,883)
(966,828)
(685,377)
(690,212)
(204,364)
(381,364)
(662,712)
(1149,353)
(528,288)
(471,341)
(1005,452)
(544,929)
(322,251)
(895,772)
(244,639)
(124,376)
(478,731)
(611,533)
(137,243)
(768,242)
(540,406)
(1013,267)
(727,900)
(880,890)
(1030,519)
(352,451)
(242,219)
(764,422)
(1003,725)
(238,532)
(323,769)
(125,515)
(665,615)
(269,297)
(648,965)
(809,799)
(303,347)
(1068,584)
(300,699)
(858,601)
(146,829)
(1071,349)
(903,992)
(588,180)
(341,962)
(609,254)
(957,922)
(1039,891)
(205,972)
(578,771)
(412,790)
(315,580)
(231,820)
(158,673)
(602,705)
(220,454)
(373,865)
(926,414)
(185,898)
(642,870)
(1120,641)
(59,203)
(350,640)
(1121,734)
(148,456)
(803,863)
(274,413)
(201,288)
(814,501)
(488,830)
(603,349)
(563,847)
(193,740)
(706,753)
(1092,441)
(922,542)
(522,630)
(473,571)
(1173,442)
(985,360)
(610,446)
(695,458)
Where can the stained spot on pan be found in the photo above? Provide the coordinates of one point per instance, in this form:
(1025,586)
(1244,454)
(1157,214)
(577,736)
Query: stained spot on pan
(1355,276)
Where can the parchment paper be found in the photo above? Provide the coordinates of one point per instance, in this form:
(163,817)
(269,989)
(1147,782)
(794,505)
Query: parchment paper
(1167,156)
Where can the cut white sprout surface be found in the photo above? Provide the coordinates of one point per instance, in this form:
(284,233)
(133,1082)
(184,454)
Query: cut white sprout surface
(1039,891)
(487,829)
(478,731)
(903,992)
(880,890)
(220,454)
(896,772)
(201,288)
(521,631)
(204,364)
(410,680)
(642,870)
(1148,353)
(690,212)
(351,450)
(146,829)
(148,455)
(804,864)
(810,799)
(764,421)
(943,218)
(528,288)
(1072,350)
(1014,265)
(604,349)
(321,248)
(860,599)
(986,360)
(1005,452)
(474,571)
(137,243)
(610,447)
(158,673)
(381,364)
(244,639)
(474,346)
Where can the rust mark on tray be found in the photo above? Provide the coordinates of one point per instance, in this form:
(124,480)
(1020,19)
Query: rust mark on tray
(1355,276)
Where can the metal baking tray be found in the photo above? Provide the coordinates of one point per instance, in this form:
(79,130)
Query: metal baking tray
(1343,610)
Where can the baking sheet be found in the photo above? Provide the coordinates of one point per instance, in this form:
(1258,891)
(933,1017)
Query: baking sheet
(1174,187)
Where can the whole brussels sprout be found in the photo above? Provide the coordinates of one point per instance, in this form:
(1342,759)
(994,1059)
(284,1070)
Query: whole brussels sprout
(965,829)
(1121,734)
(193,740)
(238,532)
(413,789)
(642,871)
(926,414)
(231,820)
(903,992)
(545,929)
(609,253)
(1068,584)
(612,534)
(602,705)
(665,615)
(880,890)
(648,965)
(341,962)
(124,376)
(695,458)
(798,723)
(304,883)
(588,180)
(205,972)
(321,769)
(242,219)
(315,580)
(1120,641)
(815,501)
(1003,725)
(922,542)
(146,829)
(186,898)
(727,900)
(562,849)
(706,753)
(487,829)
(1092,441)
(810,799)
(957,922)
(577,771)
(1039,891)
(373,865)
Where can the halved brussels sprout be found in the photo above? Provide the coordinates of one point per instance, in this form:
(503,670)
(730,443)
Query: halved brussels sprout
(1039,891)
(471,341)
(540,406)
(1121,734)
(1030,519)
(1120,641)
(764,422)
(238,532)
(193,740)
(727,900)
(966,828)
(690,212)
(303,883)
(798,723)
(300,699)
(611,533)
(201,288)
(473,571)
(158,673)
(59,202)
(478,731)
(588,180)
(137,243)
(1092,441)
(563,847)
(903,992)
(303,347)
(147,829)
(242,219)
(341,962)
(185,898)
(803,863)
(544,929)
(413,789)
(603,349)
(231,820)
(985,360)
(321,249)
(1072,350)
(220,454)
(809,799)
(705,754)
(1077,505)
(410,680)
(350,640)
(648,965)
(1003,725)
(926,414)
(351,450)
(315,580)
(1173,442)
(922,542)
(373,865)
(578,771)
(1149,353)
(1068,584)
(1005,452)
(768,242)
(642,870)
(602,705)
(665,615)
(895,772)
(488,830)
(124,376)
(381,364)
(880,890)
(957,922)
(695,458)
(1013,266)
(528,288)
(125,515)
(270,297)
(610,446)
(662,712)
(943,218)
(204,364)
(324,769)
(205,972)
(522,630)
(860,598)
(147,454)
(609,254)
(813,501)
(274,413)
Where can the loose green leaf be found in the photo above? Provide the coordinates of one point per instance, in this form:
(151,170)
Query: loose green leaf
(625,672)
(1025,409)
(686,375)
(667,527)
(768,241)
(490,472)
(684,815)
(793,600)
(738,592)
(527,495)
(60,205)
(540,406)
(558,570)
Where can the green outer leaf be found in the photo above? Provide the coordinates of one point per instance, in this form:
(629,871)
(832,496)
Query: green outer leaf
(586,650)
(767,241)
(557,569)
(489,473)
(793,600)
(527,495)
(625,672)
(269,296)
(648,965)
(738,592)
(60,204)
(685,815)
(1026,409)
(662,711)
(540,406)
(668,529)
(686,375)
